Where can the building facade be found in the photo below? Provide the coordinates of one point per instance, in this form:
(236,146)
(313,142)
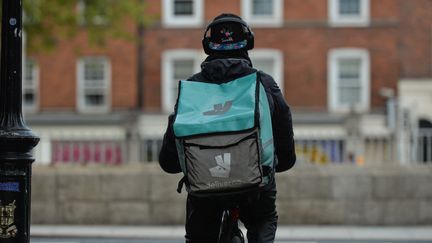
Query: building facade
(356,73)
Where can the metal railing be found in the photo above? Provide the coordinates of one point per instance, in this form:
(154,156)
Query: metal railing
(88,152)
(380,150)
(114,152)
(422,144)
(320,151)
(369,150)
(149,149)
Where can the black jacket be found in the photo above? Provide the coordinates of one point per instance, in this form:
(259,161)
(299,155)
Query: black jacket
(217,69)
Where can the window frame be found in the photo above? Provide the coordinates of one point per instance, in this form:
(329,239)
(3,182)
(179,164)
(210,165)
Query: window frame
(36,83)
(82,107)
(338,20)
(170,20)
(168,58)
(275,20)
(277,57)
(333,94)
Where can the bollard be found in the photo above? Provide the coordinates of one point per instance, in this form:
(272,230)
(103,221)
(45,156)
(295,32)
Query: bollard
(16,139)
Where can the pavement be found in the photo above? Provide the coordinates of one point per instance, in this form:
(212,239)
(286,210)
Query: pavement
(399,233)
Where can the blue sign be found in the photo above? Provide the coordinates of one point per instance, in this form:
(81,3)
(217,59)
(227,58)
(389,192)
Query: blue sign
(9,186)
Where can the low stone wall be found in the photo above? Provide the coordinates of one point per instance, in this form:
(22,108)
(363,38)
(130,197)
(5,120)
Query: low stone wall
(144,195)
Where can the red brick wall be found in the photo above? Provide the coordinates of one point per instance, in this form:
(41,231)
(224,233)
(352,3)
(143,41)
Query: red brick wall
(415,45)
(304,40)
(58,81)
(300,10)
(214,8)
(398,40)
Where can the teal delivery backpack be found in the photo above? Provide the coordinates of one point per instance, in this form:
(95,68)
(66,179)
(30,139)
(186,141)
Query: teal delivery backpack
(224,136)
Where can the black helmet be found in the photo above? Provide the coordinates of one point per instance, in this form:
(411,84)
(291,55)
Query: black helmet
(228,33)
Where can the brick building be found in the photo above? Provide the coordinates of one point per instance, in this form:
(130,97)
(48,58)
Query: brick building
(353,71)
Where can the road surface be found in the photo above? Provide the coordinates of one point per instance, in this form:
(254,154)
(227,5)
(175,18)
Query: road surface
(78,240)
(175,234)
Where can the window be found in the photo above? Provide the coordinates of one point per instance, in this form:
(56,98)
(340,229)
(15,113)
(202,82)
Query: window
(263,12)
(349,12)
(30,85)
(348,80)
(94,80)
(177,65)
(183,13)
(349,7)
(271,62)
(181,64)
(183,7)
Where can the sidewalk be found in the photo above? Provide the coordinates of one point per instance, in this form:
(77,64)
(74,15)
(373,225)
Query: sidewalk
(283,233)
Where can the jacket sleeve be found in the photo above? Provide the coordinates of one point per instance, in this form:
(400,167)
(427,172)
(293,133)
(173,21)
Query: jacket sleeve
(283,134)
(168,158)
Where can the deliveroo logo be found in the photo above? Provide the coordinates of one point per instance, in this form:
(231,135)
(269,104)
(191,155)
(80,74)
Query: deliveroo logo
(219,109)
(223,168)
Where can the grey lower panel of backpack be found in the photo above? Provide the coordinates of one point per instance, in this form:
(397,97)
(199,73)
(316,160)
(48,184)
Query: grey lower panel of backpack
(223,163)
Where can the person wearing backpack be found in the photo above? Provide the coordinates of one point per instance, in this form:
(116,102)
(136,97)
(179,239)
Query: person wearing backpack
(227,48)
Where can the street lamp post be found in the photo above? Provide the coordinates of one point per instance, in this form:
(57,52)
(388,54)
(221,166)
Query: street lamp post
(16,139)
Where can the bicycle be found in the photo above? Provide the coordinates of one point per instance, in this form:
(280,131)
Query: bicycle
(229,230)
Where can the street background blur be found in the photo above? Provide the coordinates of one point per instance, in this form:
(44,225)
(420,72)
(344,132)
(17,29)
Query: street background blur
(100,78)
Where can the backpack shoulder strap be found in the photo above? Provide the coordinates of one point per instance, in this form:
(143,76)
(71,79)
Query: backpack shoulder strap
(182,181)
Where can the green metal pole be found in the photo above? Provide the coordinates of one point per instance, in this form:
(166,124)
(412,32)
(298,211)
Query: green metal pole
(16,139)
